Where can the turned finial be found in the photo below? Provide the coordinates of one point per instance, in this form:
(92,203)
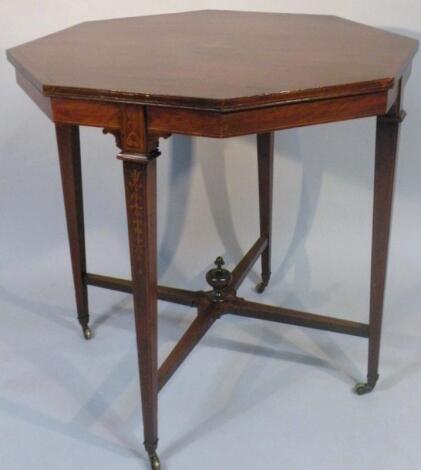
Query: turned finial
(218,278)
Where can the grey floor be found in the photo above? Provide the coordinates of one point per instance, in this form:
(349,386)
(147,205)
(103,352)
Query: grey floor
(252,395)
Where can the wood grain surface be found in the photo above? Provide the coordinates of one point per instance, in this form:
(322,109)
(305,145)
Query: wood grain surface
(215,60)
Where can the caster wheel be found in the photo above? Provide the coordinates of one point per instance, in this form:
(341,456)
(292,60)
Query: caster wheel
(87,333)
(363,388)
(260,288)
(155,463)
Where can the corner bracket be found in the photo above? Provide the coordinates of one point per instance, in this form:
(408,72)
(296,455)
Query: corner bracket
(393,118)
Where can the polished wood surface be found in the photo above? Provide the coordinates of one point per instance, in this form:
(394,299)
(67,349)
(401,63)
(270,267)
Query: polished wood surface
(286,116)
(139,166)
(387,137)
(163,121)
(265,150)
(68,143)
(219,60)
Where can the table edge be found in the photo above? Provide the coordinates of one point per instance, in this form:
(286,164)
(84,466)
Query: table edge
(208,104)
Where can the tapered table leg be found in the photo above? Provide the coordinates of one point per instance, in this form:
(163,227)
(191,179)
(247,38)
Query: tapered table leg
(71,175)
(265,144)
(140,187)
(385,162)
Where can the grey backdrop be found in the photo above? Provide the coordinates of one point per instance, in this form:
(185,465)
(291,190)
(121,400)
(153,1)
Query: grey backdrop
(253,395)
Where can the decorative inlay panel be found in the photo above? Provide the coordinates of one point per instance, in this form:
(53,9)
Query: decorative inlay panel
(117,135)
(133,129)
(136,199)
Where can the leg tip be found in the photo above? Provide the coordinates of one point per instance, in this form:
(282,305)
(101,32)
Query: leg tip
(363,388)
(87,333)
(155,463)
(260,288)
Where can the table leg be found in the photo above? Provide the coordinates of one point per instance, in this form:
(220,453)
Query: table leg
(140,187)
(265,143)
(71,175)
(387,135)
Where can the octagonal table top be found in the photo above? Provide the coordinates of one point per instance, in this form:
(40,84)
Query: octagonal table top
(218,60)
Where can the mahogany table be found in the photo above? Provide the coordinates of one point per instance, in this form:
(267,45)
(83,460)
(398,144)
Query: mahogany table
(212,74)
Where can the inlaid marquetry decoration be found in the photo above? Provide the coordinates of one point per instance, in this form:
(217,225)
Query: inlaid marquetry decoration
(136,198)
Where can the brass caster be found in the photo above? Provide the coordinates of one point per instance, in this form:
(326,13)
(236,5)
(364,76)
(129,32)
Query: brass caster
(363,388)
(260,288)
(87,333)
(155,463)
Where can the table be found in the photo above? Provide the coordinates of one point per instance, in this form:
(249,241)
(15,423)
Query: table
(213,74)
